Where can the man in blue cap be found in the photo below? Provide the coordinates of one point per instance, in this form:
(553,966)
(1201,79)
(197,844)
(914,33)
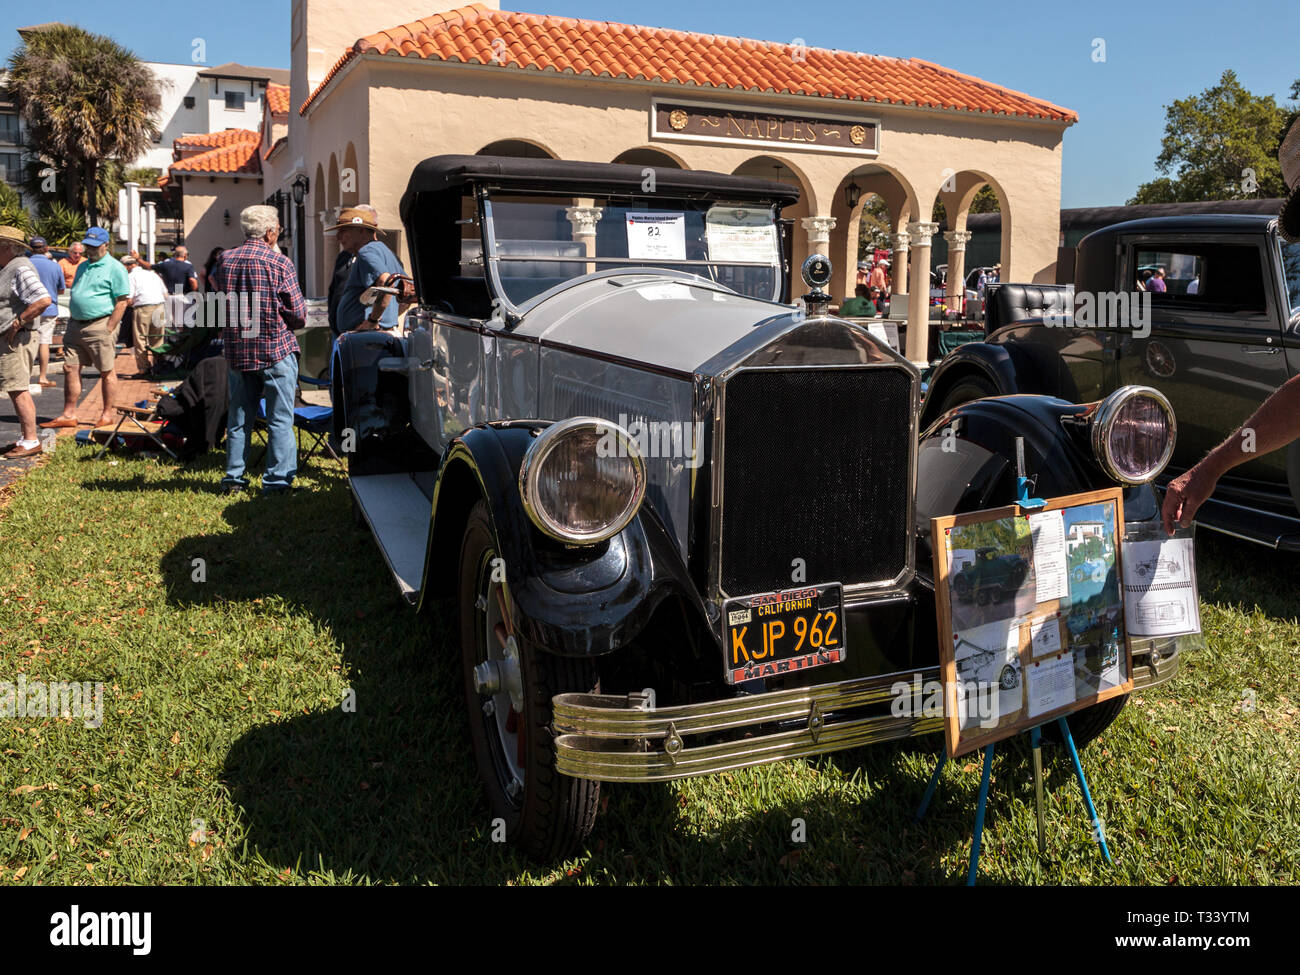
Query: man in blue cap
(51,276)
(100,294)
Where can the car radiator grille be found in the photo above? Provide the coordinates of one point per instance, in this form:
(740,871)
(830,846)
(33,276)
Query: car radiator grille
(815,467)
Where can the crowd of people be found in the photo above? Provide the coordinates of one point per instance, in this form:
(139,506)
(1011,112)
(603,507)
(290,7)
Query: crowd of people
(260,356)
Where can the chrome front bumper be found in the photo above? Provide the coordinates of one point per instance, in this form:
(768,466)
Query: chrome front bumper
(612,739)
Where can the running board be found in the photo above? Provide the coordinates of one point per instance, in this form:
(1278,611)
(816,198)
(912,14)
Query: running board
(398,514)
(1277,531)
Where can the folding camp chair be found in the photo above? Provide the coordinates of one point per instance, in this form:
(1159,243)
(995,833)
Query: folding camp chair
(147,424)
(316,422)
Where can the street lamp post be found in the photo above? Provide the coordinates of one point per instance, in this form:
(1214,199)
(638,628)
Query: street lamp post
(299,188)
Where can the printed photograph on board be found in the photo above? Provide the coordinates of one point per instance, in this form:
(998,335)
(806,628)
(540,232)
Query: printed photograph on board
(1094,617)
(990,681)
(990,571)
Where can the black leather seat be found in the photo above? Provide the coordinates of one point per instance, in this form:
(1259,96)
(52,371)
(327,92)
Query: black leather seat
(1007,303)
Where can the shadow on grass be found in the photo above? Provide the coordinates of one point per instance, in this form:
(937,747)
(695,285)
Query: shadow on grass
(389,793)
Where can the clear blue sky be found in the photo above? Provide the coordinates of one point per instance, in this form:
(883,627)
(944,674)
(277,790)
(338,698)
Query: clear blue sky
(1155,53)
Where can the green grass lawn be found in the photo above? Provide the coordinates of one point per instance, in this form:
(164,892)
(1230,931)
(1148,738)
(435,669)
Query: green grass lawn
(226,756)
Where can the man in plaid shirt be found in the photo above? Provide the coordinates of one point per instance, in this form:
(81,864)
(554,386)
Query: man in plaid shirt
(265,304)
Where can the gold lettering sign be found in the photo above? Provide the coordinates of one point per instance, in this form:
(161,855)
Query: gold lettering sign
(714,123)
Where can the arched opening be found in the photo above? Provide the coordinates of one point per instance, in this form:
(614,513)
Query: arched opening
(318,229)
(872,203)
(332,197)
(655,158)
(794,234)
(519,148)
(350,181)
(973,239)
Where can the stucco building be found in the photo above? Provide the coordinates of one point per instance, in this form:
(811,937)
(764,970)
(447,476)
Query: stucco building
(376,87)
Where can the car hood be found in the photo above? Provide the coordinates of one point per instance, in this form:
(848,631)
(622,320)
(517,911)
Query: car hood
(674,322)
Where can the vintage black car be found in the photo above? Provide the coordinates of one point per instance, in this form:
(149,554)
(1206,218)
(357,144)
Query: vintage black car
(991,577)
(683,527)
(1222,337)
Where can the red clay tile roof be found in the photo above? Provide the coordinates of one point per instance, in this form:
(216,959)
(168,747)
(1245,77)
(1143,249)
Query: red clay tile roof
(237,159)
(277,99)
(211,140)
(477,35)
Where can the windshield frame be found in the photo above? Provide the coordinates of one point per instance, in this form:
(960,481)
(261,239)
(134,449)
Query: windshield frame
(493,259)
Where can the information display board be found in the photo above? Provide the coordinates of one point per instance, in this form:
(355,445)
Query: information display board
(1031,614)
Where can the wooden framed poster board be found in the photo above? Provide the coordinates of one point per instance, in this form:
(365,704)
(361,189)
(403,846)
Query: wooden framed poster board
(1031,614)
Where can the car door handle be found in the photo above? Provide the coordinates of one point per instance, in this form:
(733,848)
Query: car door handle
(1254,350)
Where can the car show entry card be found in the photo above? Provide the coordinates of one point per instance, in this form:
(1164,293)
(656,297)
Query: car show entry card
(1045,636)
(656,236)
(1048,530)
(1050,684)
(1160,588)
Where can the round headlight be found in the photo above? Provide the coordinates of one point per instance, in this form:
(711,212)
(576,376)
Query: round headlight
(582,480)
(1133,434)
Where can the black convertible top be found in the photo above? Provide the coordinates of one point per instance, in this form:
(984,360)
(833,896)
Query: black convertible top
(565,177)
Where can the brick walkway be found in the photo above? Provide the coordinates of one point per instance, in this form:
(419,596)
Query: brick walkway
(50,402)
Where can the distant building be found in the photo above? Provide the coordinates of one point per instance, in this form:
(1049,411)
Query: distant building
(210,177)
(1081,531)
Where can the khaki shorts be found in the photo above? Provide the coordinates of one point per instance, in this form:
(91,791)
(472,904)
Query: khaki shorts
(45,329)
(147,326)
(16,358)
(89,344)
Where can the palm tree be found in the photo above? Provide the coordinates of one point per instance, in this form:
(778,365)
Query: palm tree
(85,99)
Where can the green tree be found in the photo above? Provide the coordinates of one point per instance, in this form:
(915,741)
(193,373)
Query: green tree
(12,211)
(874,227)
(85,100)
(1219,145)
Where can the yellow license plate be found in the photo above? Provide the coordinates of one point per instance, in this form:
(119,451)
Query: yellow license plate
(772,634)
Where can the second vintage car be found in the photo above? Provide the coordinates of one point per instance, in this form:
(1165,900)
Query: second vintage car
(683,527)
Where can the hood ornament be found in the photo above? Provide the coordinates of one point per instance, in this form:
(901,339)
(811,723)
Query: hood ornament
(816,273)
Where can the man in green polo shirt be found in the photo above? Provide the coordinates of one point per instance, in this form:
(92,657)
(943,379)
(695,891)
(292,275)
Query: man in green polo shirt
(100,294)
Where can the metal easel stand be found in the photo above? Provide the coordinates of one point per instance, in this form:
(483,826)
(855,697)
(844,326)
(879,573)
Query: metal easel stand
(1035,738)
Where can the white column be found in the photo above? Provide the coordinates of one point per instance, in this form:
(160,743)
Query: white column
(898,245)
(819,234)
(583,220)
(956,290)
(918,309)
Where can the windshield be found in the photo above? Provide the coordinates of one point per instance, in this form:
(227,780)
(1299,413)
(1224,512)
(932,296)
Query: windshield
(1291,267)
(534,245)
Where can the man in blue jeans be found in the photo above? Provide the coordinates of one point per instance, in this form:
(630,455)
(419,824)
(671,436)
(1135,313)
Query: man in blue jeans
(264,306)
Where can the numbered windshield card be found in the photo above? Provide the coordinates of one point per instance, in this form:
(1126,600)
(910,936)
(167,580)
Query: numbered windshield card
(1160,588)
(655,236)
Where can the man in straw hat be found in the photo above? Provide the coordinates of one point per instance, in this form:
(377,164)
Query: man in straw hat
(22,299)
(375,264)
(1277,421)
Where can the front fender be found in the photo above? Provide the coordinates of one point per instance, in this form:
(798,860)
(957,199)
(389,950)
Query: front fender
(993,363)
(967,462)
(570,600)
